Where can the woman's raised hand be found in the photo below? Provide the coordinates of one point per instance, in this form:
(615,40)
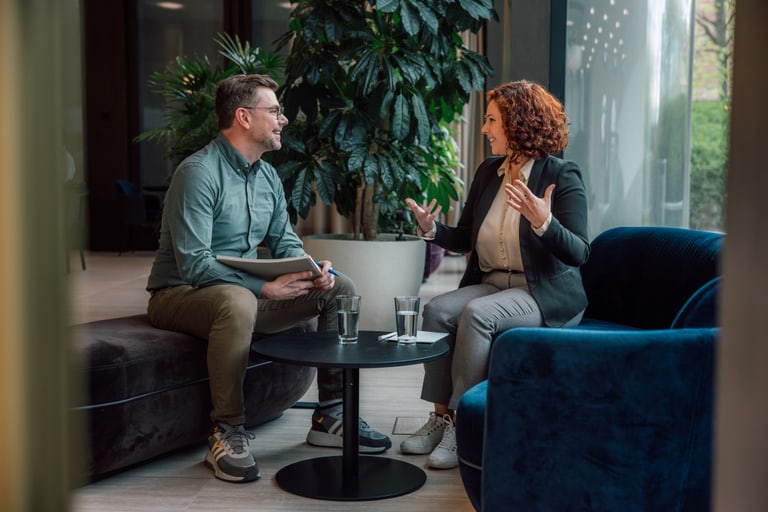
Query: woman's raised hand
(424,216)
(535,209)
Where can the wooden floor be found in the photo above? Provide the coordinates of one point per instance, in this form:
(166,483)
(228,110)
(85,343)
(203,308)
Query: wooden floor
(113,286)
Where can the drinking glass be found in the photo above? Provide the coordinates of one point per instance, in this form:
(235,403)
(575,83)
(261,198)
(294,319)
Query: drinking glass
(407,318)
(348,312)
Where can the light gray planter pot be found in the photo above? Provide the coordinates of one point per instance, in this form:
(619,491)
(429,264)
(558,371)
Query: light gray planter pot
(380,269)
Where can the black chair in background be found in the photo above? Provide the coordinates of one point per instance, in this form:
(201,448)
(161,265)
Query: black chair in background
(137,210)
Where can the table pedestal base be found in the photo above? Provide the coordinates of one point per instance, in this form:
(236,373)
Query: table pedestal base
(322,478)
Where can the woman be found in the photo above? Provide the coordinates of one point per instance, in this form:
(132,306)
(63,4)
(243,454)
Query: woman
(525,223)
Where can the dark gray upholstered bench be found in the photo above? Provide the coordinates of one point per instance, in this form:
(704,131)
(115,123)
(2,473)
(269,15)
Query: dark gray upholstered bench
(146,391)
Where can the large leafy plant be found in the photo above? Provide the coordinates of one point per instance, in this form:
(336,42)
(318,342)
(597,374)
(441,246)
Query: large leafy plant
(371,88)
(189,88)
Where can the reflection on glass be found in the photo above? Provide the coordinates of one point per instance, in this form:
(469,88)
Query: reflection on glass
(269,20)
(166,30)
(627,94)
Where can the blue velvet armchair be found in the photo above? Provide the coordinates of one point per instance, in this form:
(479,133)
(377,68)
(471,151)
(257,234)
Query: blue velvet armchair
(614,414)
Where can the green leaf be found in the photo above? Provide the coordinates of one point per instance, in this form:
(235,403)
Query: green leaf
(326,184)
(465,78)
(445,111)
(385,170)
(313,73)
(330,123)
(387,5)
(357,135)
(391,75)
(385,104)
(479,66)
(409,66)
(430,71)
(427,15)
(340,136)
(302,193)
(333,27)
(310,28)
(289,168)
(409,19)
(370,169)
(363,65)
(401,118)
(478,9)
(422,119)
(371,76)
(357,158)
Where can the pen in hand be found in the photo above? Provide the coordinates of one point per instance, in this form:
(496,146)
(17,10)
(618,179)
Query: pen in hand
(330,270)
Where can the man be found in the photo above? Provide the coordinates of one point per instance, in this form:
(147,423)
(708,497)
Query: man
(225,200)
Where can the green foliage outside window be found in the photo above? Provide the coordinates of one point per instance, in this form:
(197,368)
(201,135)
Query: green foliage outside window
(713,60)
(709,164)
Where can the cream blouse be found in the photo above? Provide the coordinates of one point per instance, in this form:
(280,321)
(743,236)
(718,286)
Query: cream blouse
(498,241)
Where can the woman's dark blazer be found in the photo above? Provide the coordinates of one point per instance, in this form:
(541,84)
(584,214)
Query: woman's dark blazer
(552,261)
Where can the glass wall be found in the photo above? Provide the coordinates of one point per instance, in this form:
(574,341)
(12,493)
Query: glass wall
(269,20)
(628,96)
(165,30)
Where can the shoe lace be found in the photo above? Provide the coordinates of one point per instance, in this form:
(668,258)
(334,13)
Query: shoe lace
(432,424)
(237,438)
(449,435)
(362,424)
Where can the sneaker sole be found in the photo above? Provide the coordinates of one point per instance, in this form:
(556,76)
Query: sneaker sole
(249,476)
(443,460)
(326,440)
(442,465)
(418,451)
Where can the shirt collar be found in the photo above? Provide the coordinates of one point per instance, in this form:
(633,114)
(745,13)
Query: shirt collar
(233,157)
(525,170)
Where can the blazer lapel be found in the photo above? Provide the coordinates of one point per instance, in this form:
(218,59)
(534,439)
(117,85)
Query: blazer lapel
(489,188)
(534,179)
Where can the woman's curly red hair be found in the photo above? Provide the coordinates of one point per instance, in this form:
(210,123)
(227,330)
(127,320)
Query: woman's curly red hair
(534,120)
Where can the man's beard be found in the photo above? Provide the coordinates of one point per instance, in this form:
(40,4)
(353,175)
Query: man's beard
(272,143)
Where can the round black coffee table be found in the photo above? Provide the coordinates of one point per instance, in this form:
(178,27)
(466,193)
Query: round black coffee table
(350,476)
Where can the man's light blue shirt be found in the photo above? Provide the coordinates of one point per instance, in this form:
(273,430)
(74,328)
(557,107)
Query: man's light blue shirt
(219,204)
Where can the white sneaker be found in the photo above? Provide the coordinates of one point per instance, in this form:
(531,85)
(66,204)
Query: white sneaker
(445,456)
(426,438)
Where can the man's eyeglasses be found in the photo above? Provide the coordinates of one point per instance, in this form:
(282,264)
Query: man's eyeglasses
(278,112)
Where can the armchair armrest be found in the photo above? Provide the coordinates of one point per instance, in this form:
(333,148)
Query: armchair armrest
(599,420)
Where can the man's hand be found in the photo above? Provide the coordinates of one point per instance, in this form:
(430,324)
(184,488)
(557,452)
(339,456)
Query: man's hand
(288,286)
(298,284)
(325,281)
